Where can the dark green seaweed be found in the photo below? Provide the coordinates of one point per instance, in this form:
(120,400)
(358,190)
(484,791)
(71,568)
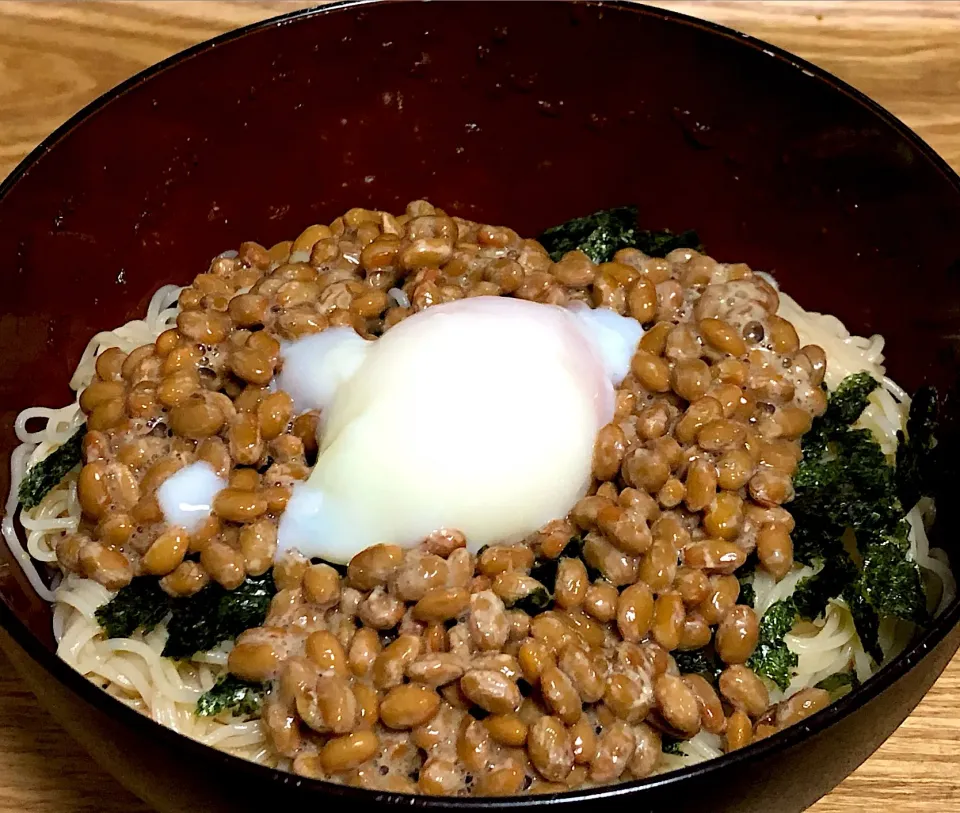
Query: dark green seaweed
(44,476)
(240,697)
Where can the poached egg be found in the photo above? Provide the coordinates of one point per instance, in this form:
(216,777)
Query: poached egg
(478,415)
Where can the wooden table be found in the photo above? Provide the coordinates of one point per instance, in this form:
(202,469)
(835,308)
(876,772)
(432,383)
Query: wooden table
(56,57)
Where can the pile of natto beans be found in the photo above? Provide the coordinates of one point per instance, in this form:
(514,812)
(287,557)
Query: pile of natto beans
(417,670)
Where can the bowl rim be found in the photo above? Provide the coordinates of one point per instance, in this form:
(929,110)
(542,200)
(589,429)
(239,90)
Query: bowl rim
(87,691)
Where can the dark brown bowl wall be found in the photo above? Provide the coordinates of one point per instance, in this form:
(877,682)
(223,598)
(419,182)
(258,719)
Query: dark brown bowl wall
(517,113)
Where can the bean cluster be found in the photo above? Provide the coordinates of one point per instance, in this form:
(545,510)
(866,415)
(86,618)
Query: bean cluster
(428,670)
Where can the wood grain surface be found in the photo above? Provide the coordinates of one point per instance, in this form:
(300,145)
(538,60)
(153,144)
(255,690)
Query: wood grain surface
(56,57)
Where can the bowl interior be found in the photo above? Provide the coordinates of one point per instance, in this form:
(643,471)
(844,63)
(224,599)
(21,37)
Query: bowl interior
(517,113)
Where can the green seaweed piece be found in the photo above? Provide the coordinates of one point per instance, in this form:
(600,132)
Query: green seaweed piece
(42,477)
(141,605)
(240,697)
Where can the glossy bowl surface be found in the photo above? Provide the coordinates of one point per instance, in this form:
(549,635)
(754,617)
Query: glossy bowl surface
(518,113)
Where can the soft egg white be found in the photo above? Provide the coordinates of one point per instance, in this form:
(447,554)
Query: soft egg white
(186,496)
(478,415)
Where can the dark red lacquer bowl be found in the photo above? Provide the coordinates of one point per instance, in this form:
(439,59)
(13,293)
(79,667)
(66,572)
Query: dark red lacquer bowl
(518,113)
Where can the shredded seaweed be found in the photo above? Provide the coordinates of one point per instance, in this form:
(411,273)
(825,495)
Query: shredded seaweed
(916,458)
(866,621)
(141,605)
(45,475)
(240,697)
(891,582)
(535,602)
(197,623)
(604,233)
(698,662)
(775,661)
(849,400)
(844,485)
(214,615)
(661,243)
(599,236)
(839,684)
(544,570)
(772,658)
(812,594)
(745,575)
(671,745)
